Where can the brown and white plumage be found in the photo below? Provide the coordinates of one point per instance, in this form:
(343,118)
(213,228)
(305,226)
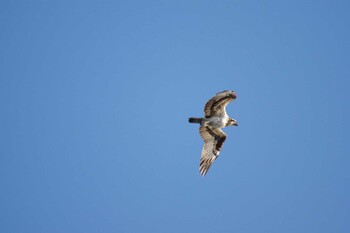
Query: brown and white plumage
(213,141)
(210,127)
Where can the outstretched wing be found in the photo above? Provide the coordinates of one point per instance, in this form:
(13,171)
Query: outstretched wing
(216,106)
(213,141)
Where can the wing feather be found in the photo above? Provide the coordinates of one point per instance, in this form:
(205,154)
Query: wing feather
(216,106)
(213,141)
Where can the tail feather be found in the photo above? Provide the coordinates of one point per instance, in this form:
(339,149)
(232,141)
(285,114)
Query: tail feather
(195,120)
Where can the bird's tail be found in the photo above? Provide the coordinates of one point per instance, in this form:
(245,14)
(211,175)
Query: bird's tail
(195,120)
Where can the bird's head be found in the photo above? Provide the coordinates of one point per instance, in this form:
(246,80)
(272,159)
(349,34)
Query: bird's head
(232,122)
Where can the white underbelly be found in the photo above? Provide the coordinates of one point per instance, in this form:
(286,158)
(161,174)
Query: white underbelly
(218,122)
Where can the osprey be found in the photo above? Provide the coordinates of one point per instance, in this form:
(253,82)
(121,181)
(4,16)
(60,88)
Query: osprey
(210,127)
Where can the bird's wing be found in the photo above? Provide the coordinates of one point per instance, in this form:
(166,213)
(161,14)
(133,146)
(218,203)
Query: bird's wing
(213,141)
(216,106)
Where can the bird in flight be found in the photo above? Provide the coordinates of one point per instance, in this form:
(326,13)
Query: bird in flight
(210,127)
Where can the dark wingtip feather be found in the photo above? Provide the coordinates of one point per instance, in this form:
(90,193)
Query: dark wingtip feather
(204,166)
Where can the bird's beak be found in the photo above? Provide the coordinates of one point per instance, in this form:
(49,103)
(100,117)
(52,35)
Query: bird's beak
(235,123)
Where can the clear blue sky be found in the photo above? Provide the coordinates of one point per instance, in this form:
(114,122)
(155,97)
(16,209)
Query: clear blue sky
(95,98)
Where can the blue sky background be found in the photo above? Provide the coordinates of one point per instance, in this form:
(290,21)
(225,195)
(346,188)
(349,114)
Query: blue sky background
(95,98)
